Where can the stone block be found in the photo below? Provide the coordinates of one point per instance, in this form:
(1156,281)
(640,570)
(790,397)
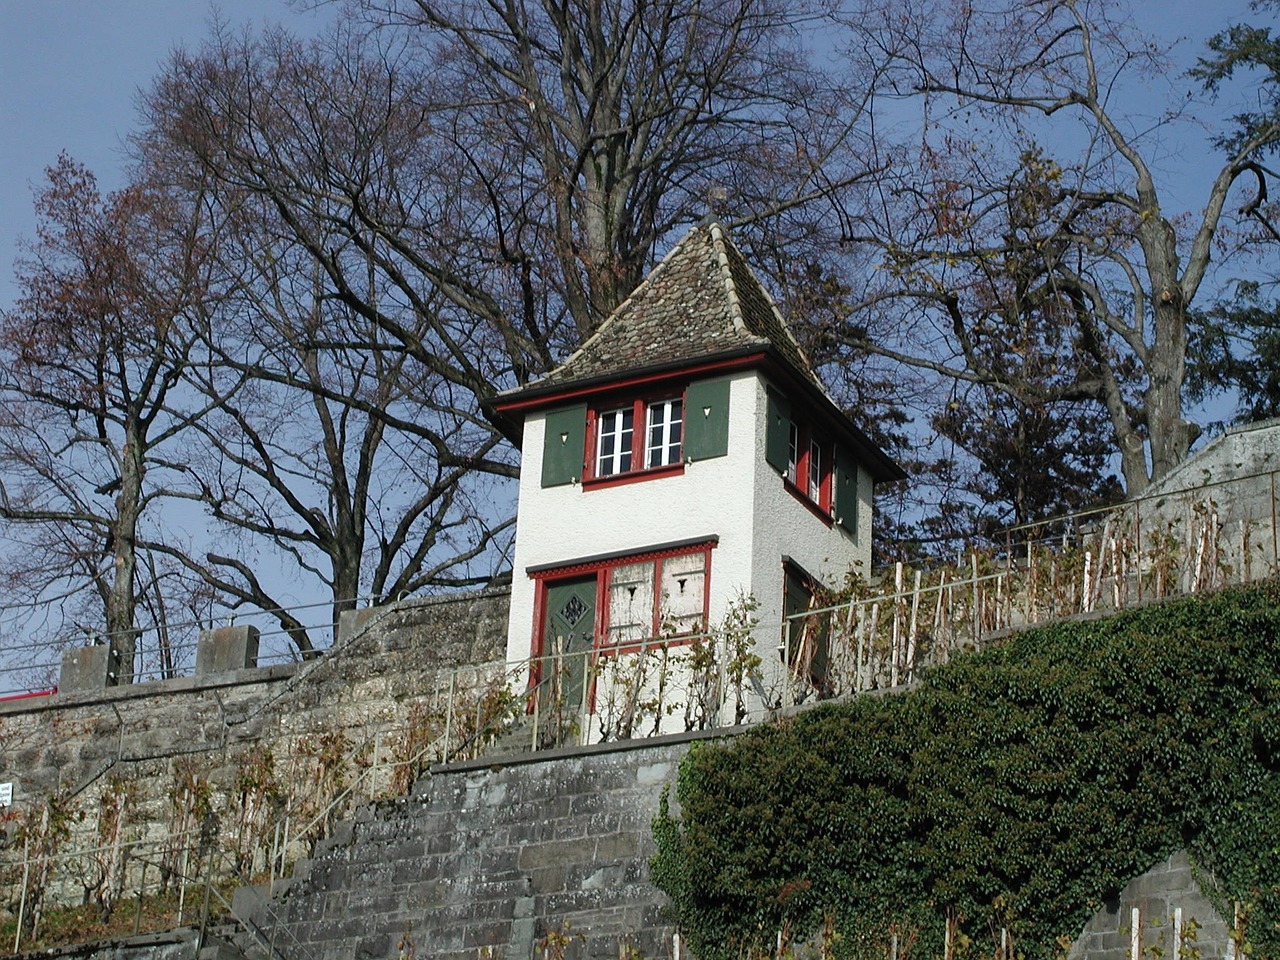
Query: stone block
(618,846)
(226,649)
(547,880)
(351,622)
(655,773)
(374,947)
(87,668)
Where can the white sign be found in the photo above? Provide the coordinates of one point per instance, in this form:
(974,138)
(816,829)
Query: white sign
(6,794)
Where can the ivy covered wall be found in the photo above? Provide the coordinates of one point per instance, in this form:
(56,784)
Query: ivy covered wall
(1015,790)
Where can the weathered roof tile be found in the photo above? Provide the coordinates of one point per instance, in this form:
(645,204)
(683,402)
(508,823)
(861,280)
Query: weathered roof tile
(701,300)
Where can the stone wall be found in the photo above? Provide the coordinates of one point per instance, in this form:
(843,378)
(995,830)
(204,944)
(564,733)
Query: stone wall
(232,752)
(491,857)
(1175,919)
(1222,502)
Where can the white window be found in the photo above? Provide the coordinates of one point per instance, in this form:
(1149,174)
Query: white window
(631,600)
(815,471)
(614,446)
(665,432)
(809,464)
(793,454)
(662,597)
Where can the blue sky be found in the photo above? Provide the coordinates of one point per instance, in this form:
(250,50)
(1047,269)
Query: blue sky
(70,72)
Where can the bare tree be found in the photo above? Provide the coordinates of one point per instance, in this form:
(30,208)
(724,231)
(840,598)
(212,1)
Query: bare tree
(355,449)
(329,443)
(90,357)
(622,120)
(416,230)
(519,160)
(979,192)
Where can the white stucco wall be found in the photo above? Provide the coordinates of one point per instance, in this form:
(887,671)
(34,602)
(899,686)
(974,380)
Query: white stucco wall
(784,526)
(738,498)
(712,498)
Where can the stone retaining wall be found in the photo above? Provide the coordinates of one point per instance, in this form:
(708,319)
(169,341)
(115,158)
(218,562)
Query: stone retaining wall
(1170,907)
(227,752)
(492,858)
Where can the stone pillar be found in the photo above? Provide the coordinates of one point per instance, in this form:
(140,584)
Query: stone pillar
(87,668)
(226,649)
(351,622)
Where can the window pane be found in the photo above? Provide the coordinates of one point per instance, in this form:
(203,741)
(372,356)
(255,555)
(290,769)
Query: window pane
(815,472)
(665,432)
(683,592)
(631,603)
(793,454)
(613,443)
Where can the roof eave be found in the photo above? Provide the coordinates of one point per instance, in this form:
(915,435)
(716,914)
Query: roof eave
(882,467)
(508,410)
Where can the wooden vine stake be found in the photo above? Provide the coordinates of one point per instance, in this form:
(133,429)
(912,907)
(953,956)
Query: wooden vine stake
(976,615)
(858,684)
(848,631)
(895,644)
(875,624)
(939,610)
(911,634)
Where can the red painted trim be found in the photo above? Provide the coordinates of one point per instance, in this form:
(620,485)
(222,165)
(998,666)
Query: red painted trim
(799,488)
(632,476)
(631,384)
(809,505)
(655,620)
(639,437)
(603,570)
(635,646)
(535,643)
(593,566)
(29,695)
(706,585)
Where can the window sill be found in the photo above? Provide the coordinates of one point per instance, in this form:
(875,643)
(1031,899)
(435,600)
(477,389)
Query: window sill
(814,508)
(633,476)
(649,645)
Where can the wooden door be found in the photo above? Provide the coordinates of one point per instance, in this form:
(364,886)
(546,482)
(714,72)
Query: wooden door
(569,629)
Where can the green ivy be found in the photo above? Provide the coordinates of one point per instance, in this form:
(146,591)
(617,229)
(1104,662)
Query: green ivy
(1016,788)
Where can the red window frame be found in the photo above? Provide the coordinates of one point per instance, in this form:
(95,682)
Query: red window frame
(638,470)
(603,571)
(806,650)
(802,447)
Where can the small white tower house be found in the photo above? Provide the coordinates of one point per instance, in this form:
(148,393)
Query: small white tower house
(686,455)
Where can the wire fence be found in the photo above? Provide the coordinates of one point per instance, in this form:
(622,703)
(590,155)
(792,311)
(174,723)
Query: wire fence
(1150,547)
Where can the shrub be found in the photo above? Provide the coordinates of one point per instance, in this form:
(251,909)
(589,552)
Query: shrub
(1017,788)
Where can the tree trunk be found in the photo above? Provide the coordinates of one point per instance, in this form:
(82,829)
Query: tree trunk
(122,632)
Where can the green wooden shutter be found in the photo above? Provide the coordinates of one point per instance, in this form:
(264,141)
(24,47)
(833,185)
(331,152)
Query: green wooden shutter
(777,437)
(706,420)
(564,447)
(844,495)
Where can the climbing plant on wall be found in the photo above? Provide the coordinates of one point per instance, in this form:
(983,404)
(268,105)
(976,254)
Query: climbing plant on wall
(1014,789)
